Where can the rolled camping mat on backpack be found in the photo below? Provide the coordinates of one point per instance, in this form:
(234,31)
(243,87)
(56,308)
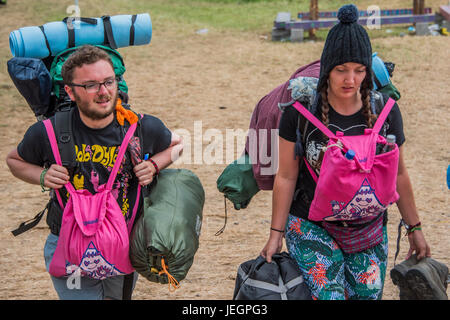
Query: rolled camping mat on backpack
(53,37)
(169,227)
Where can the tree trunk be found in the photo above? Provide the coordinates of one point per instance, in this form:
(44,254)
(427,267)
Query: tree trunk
(313,15)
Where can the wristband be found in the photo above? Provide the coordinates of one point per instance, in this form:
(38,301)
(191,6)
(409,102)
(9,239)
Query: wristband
(41,180)
(155,165)
(277,230)
(410,229)
(414,229)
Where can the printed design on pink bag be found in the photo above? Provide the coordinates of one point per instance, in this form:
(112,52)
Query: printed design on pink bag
(94,265)
(364,204)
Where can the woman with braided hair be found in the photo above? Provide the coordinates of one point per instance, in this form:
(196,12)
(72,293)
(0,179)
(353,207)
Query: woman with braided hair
(345,98)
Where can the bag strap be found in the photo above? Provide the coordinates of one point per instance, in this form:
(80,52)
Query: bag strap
(383,115)
(311,171)
(132,29)
(71,28)
(46,41)
(109,35)
(316,122)
(63,130)
(54,145)
(31,223)
(122,150)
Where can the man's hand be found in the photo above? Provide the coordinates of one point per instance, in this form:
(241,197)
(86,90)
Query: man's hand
(56,177)
(145,172)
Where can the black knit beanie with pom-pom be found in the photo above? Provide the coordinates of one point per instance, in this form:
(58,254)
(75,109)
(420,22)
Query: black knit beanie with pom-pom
(347,41)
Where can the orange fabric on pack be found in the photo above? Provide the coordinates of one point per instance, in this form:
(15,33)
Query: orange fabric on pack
(123,114)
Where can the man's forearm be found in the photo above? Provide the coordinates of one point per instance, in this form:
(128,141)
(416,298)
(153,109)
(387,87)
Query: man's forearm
(23,170)
(164,158)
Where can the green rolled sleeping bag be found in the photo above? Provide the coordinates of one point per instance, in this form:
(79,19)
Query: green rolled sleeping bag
(165,238)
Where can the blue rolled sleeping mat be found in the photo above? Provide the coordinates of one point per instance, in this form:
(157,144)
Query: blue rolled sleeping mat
(53,37)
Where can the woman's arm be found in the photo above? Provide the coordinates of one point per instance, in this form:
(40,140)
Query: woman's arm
(283,192)
(408,211)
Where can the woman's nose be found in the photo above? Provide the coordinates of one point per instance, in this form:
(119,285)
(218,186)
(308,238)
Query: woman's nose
(349,78)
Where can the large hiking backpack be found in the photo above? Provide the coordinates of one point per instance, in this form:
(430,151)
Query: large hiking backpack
(40,51)
(35,69)
(40,81)
(266,117)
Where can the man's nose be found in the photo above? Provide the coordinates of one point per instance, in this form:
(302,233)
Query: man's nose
(102,88)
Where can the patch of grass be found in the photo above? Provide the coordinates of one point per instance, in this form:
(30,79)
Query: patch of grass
(234,15)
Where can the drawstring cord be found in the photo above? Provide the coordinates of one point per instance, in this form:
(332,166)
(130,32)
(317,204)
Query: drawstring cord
(337,144)
(173,283)
(218,233)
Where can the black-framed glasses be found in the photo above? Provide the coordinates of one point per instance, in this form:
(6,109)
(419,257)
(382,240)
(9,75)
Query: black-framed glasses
(94,87)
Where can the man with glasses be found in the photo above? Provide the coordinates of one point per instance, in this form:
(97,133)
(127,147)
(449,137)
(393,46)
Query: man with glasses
(91,83)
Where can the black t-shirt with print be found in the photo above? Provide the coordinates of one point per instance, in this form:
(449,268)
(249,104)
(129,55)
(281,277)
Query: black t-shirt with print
(351,125)
(96,151)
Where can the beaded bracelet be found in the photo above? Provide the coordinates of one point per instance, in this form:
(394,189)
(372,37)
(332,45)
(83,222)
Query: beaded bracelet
(155,165)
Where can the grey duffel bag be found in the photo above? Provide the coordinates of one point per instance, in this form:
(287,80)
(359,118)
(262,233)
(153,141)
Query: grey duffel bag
(279,280)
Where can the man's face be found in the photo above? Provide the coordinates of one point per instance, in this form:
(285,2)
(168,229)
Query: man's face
(99,104)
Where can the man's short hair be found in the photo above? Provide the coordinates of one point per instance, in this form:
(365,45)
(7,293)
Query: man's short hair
(86,54)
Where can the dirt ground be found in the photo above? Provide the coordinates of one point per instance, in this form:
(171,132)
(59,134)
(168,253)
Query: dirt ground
(217,78)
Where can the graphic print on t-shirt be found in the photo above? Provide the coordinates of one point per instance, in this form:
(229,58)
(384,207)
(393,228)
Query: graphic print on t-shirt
(96,161)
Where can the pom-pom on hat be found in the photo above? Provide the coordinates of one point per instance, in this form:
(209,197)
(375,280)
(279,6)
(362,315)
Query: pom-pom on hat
(347,41)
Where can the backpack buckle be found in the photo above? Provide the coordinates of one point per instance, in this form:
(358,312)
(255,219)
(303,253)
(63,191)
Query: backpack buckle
(64,138)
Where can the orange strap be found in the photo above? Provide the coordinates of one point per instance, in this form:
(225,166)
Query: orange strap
(123,114)
(173,283)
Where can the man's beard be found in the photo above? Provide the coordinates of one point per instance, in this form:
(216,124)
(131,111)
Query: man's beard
(93,114)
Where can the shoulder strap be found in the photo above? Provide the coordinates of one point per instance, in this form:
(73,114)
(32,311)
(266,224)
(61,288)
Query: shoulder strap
(118,162)
(27,225)
(63,130)
(383,115)
(316,122)
(54,146)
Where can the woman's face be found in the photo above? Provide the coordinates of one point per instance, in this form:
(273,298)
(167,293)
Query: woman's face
(345,80)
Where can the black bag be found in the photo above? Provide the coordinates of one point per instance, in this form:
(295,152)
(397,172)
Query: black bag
(32,79)
(279,280)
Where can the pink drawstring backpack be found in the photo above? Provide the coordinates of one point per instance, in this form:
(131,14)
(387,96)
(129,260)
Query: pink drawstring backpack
(361,188)
(94,238)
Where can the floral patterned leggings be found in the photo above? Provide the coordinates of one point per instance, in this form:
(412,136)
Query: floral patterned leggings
(330,273)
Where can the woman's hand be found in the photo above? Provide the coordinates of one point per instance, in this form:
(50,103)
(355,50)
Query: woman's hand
(273,245)
(418,245)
